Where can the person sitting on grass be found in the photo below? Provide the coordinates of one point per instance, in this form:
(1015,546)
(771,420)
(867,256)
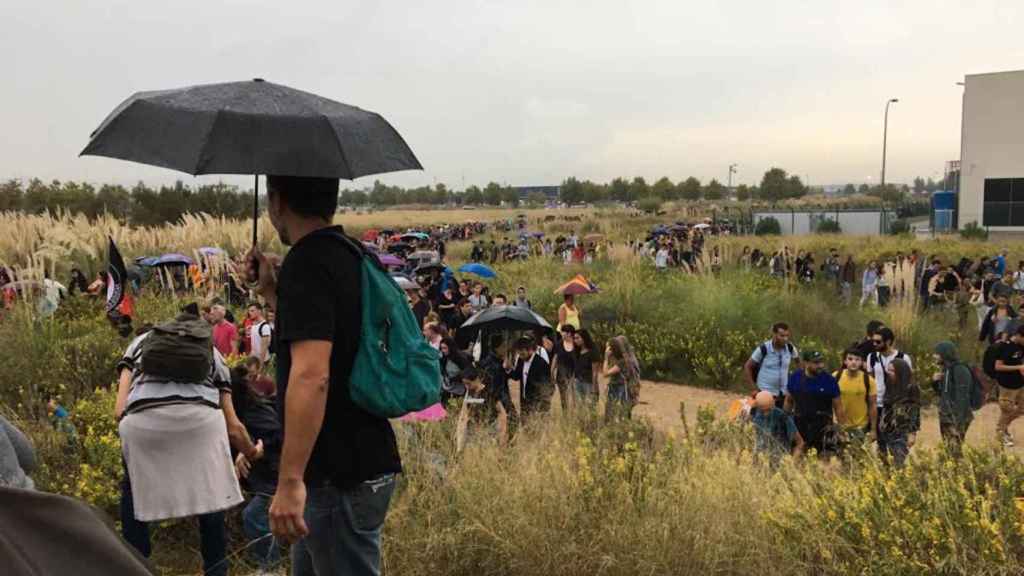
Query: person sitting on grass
(776,433)
(482,412)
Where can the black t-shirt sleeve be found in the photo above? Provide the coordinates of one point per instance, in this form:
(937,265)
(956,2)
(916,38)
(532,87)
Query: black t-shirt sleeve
(307,303)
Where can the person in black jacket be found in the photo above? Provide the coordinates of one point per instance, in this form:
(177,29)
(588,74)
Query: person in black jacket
(533,375)
(259,415)
(1000,318)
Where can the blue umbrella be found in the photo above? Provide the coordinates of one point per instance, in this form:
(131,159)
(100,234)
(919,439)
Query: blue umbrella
(478,269)
(146,260)
(173,260)
(211,251)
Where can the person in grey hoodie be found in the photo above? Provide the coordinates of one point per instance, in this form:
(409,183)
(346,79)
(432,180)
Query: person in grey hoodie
(17,457)
(953,386)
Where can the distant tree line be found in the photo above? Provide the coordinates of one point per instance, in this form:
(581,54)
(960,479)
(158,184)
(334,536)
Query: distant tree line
(146,206)
(141,205)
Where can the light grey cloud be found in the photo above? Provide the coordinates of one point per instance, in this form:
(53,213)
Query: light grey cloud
(530,92)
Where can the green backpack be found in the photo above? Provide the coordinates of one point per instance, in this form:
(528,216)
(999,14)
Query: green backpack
(396,371)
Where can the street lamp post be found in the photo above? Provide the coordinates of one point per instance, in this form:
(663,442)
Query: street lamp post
(885,136)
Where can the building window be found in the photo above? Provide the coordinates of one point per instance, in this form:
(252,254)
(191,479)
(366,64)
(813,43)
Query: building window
(1003,202)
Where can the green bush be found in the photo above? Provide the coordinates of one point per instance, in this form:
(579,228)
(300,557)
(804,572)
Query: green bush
(899,227)
(768,227)
(972,231)
(828,226)
(651,204)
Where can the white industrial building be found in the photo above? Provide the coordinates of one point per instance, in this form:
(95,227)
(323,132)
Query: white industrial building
(992,152)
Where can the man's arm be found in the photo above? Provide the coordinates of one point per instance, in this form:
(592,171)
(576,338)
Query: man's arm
(460,427)
(873,413)
(238,436)
(304,407)
(748,372)
(837,407)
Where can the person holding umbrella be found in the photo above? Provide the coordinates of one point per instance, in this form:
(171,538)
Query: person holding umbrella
(336,457)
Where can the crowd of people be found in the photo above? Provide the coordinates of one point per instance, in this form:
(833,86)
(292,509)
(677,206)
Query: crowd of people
(263,405)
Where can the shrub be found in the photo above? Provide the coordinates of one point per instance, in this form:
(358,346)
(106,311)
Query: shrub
(768,226)
(651,204)
(972,231)
(828,226)
(899,227)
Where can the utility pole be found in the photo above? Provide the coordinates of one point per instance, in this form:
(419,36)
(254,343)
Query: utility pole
(885,137)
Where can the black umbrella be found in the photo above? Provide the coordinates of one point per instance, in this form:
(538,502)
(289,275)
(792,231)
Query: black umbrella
(251,127)
(499,319)
(430,266)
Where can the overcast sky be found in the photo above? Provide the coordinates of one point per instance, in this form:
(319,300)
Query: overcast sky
(531,92)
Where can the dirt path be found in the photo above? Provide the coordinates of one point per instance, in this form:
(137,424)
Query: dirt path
(659,402)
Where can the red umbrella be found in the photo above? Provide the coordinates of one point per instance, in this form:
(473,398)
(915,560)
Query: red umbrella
(578,285)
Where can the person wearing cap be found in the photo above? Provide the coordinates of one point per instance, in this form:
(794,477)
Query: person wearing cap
(814,399)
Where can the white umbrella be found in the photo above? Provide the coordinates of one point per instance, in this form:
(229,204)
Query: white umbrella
(405,284)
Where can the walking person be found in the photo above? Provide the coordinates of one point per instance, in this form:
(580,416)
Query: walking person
(869,284)
(338,461)
(813,397)
(587,369)
(885,351)
(533,375)
(569,313)
(1010,375)
(859,396)
(563,366)
(999,318)
(847,278)
(623,373)
(260,333)
(902,413)
(768,366)
(883,288)
(953,384)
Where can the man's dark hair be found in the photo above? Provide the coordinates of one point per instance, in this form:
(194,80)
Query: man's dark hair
(886,334)
(854,351)
(874,326)
(568,328)
(496,341)
(502,296)
(525,343)
(306,196)
(779,326)
(256,305)
(469,374)
(464,302)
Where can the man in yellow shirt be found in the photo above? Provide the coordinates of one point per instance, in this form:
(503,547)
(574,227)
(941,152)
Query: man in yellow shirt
(858,394)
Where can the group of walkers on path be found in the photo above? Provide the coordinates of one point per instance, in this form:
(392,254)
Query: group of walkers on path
(872,397)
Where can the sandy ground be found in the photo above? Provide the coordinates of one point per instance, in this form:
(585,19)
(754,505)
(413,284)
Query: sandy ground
(659,402)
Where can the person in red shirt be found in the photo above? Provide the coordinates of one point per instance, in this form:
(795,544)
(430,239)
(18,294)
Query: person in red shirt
(225,335)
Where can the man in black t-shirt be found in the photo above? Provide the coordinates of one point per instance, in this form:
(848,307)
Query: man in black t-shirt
(336,457)
(1010,374)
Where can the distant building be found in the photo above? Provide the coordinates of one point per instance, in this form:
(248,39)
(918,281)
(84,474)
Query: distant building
(992,152)
(550,192)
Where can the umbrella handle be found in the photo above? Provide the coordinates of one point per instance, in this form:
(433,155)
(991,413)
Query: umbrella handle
(254,261)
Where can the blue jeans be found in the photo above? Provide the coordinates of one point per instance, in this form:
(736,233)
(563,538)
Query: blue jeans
(344,529)
(618,404)
(256,526)
(586,392)
(213,544)
(895,447)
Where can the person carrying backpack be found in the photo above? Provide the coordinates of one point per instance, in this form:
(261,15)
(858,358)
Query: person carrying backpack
(176,418)
(768,366)
(1009,369)
(953,385)
(858,394)
(885,352)
(812,396)
(339,460)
